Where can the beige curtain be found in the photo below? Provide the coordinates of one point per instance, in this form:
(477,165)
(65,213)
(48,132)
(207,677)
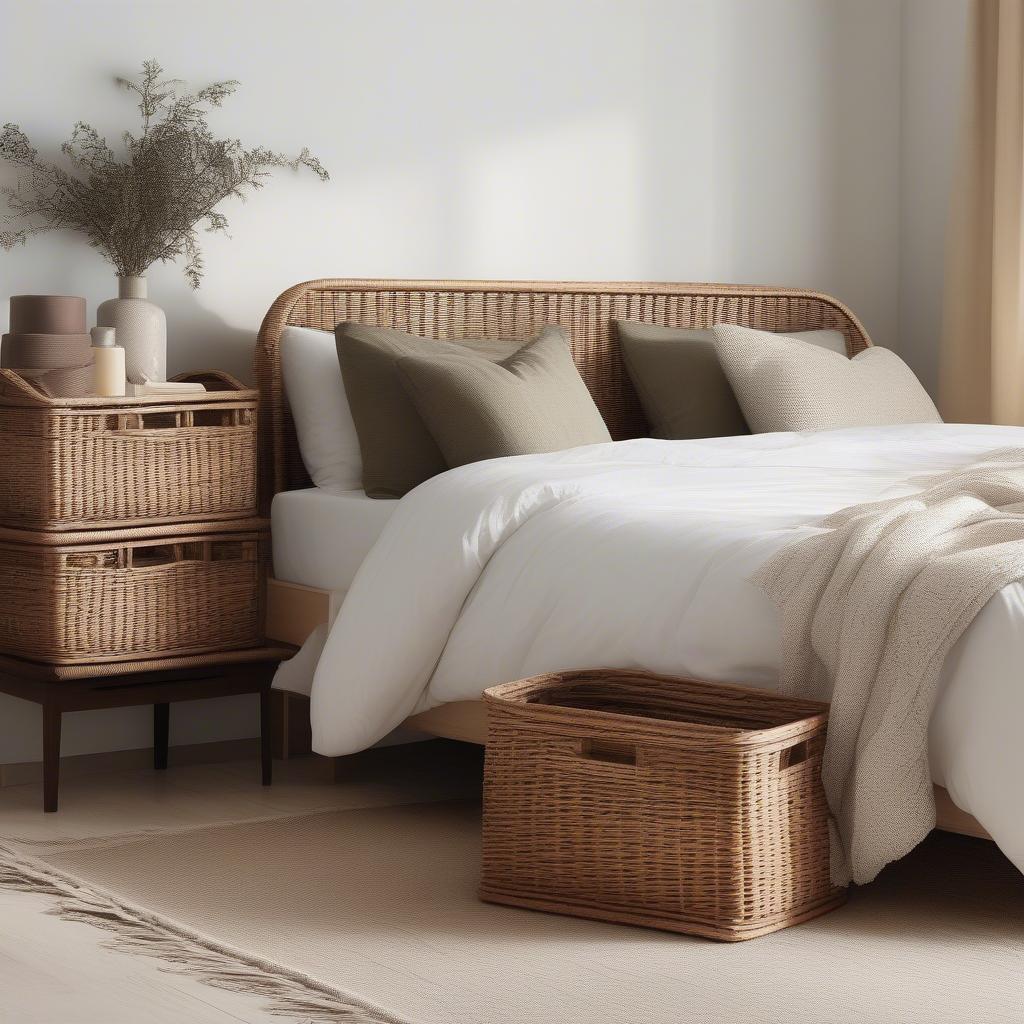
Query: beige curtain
(982,357)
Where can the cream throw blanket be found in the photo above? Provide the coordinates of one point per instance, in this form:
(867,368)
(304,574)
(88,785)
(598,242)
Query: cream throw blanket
(871,605)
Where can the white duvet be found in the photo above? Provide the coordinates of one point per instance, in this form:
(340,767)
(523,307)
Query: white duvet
(638,554)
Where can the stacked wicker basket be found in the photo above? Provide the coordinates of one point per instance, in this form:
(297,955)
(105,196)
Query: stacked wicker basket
(128,529)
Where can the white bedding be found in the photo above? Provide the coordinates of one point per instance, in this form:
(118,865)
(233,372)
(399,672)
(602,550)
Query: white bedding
(321,535)
(639,554)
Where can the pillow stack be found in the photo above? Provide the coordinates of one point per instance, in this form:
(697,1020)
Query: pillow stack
(731,380)
(49,343)
(398,450)
(679,379)
(382,410)
(422,406)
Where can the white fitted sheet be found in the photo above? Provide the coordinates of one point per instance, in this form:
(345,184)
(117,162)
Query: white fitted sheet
(321,535)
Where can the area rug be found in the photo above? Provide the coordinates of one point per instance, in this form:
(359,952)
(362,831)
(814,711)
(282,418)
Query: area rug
(133,929)
(371,915)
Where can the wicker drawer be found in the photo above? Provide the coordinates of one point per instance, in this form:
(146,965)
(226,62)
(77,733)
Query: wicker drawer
(641,799)
(93,463)
(130,595)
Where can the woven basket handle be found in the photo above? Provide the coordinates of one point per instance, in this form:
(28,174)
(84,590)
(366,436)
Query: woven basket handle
(201,551)
(609,752)
(15,387)
(185,420)
(214,380)
(794,755)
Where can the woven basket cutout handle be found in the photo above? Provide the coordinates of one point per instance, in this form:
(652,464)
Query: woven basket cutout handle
(141,557)
(237,417)
(138,424)
(164,425)
(155,556)
(794,755)
(116,558)
(609,752)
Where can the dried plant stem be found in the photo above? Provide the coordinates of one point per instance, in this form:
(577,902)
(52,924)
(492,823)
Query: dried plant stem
(147,207)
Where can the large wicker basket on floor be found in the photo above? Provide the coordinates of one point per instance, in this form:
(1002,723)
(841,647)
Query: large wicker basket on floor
(84,463)
(124,595)
(649,800)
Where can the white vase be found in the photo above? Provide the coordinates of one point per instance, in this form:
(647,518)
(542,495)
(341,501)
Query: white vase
(140,329)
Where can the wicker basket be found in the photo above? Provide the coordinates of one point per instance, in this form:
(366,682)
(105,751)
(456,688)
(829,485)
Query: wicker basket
(128,595)
(102,462)
(646,800)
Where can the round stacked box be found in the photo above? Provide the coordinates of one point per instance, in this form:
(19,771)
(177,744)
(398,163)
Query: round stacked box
(49,341)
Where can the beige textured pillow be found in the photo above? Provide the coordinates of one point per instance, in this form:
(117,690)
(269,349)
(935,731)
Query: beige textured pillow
(680,382)
(785,384)
(533,401)
(397,450)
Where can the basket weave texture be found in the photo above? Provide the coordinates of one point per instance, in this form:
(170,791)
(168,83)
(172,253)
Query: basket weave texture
(643,799)
(96,463)
(127,595)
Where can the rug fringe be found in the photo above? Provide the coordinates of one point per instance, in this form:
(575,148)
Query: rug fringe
(133,930)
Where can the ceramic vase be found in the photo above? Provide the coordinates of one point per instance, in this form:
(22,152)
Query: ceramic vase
(140,329)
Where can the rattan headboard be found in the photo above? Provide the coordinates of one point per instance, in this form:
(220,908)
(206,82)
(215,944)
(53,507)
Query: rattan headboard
(518,309)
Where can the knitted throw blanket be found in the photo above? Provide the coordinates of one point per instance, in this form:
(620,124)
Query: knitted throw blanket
(871,604)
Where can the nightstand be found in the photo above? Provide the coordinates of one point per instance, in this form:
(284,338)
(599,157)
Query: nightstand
(132,563)
(161,682)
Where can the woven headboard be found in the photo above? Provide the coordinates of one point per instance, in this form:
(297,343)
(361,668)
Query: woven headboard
(518,309)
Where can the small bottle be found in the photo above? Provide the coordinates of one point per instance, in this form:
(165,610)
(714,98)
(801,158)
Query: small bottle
(107,363)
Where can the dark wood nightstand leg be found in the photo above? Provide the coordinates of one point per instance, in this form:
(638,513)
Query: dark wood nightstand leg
(51,756)
(266,737)
(161,734)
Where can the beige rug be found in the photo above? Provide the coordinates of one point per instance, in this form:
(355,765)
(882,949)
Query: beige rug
(338,912)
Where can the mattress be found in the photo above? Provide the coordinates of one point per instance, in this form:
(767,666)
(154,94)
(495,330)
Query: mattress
(321,535)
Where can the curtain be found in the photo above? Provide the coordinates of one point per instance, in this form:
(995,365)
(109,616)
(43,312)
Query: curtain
(981,367)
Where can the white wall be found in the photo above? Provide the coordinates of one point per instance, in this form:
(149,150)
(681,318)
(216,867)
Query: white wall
(725,140)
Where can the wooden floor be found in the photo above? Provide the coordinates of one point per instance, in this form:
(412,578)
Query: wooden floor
(58,972)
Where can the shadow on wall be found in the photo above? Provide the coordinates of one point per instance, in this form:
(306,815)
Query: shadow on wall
(198,336)
(701,141)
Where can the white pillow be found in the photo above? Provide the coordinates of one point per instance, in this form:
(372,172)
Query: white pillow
(782,383)
(323,421)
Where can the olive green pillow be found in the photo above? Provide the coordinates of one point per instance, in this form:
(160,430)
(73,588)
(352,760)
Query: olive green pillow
(397,449)
(533,401)
(680,382)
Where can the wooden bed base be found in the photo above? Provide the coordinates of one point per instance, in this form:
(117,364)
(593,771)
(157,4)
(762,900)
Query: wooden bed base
(294,611)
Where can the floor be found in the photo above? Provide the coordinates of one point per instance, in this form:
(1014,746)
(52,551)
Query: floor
(58,972)
(147,802)
(949,919)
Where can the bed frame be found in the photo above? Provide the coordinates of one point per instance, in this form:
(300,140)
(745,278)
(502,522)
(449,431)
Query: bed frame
(506,309)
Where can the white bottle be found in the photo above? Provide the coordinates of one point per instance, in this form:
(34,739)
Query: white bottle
(107,363)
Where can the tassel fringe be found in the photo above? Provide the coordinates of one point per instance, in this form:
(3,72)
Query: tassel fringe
(135,930)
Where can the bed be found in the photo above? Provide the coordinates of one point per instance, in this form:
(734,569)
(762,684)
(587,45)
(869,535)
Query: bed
(312,584)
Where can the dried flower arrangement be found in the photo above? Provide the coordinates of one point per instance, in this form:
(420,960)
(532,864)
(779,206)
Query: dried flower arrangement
(147,207)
